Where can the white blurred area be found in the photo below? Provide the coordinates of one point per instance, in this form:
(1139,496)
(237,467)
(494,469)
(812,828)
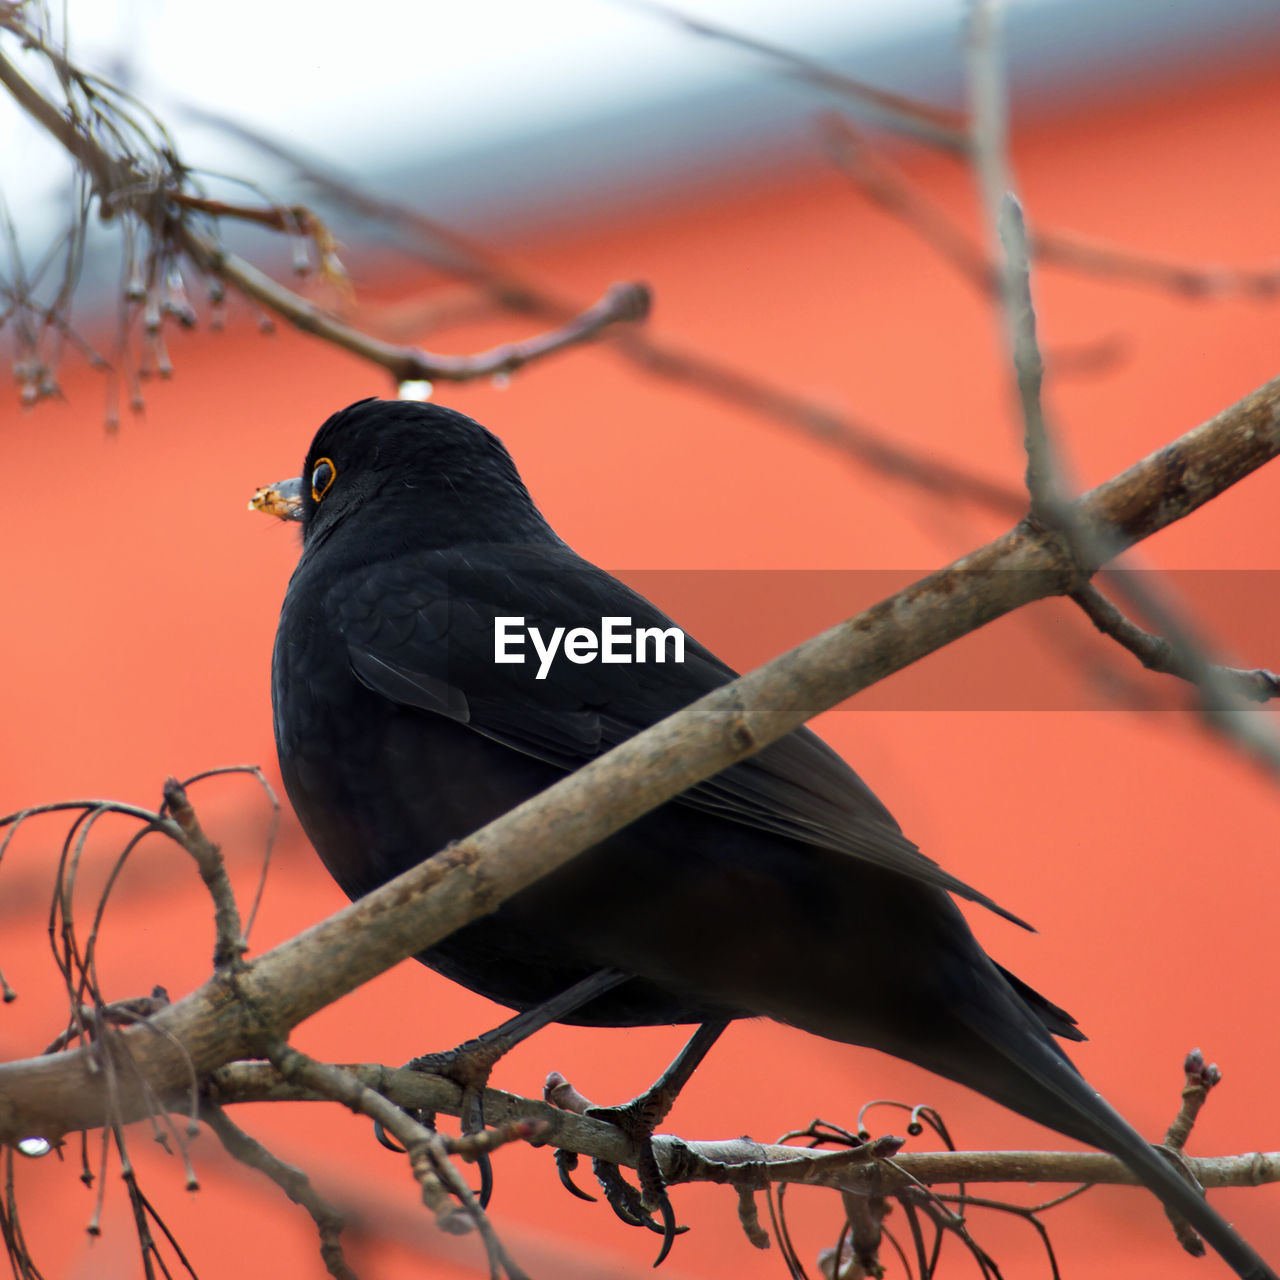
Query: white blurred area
(440,76)
(488,111)
(369,85)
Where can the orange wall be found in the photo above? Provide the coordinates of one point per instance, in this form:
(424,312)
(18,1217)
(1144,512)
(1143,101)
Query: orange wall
(141,600)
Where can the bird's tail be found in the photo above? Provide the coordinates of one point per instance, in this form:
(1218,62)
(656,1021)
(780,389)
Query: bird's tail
(1046,1087)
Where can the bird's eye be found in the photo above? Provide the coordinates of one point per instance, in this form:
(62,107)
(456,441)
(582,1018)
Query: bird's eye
(322,478)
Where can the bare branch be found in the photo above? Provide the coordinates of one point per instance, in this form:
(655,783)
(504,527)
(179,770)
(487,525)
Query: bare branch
(1157,654)
(881,182)
(230,945)
(729,1160)
(888,188)
(158,201)
(427,1151)
(1218,704)
(937,125)
(290,1179)
(1042,467)
(622,303)
(1080,253)
(857,441)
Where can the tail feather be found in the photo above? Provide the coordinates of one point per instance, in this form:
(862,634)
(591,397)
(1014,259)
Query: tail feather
(1046,1087)
(1053,1017)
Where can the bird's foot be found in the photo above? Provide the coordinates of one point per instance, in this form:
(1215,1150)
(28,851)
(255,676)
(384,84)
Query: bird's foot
(471,1063)
(469,1067)
(638,1119)
(647,1205)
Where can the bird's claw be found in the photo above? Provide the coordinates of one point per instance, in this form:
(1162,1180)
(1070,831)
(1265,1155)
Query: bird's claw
(637,1207)
(566,1163)
(633,1206)
(385,1139)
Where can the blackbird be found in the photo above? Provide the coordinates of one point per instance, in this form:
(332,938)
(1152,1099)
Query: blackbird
(781,887)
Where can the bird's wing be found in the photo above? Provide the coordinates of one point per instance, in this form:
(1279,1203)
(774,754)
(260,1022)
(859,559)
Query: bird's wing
(420,631)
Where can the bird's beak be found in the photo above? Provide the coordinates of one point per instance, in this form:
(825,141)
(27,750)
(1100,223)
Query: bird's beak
(282,499)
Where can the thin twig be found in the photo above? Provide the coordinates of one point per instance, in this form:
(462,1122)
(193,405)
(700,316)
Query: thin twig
(156,200)
(1157,654)
(940,126)
(447,251)
(622,304)
(230,945)
(1201,1076)
(1043,469)
(881,182)
(1006,228)
(293,219)
(427,1151)
(1219,706)
(290,1179)
(1080,253)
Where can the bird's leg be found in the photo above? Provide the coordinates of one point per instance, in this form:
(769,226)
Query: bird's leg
(470,1064)
(638,1119)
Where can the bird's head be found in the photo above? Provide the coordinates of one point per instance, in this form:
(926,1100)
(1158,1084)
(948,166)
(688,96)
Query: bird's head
(431,474)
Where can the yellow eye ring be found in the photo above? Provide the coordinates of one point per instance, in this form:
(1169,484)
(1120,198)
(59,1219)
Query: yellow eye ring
(323,474)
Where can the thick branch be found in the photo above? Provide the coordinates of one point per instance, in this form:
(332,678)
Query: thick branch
(224,1020)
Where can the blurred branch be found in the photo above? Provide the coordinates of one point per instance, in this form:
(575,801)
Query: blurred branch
(877,178)
(449,252)
(883,183)
(1219,703)
(151,187)
(1007,234)
(863,445)
(291,1180)
(937,125)
(144,182)
(1044,470)
(1193,280)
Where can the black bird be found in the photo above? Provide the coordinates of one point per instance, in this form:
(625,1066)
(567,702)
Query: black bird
(782,887)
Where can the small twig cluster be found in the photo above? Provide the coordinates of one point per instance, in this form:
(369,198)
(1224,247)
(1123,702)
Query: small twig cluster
(129,173)
(94,1020)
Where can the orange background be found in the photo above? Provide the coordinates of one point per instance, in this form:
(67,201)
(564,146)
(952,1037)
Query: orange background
(141,598)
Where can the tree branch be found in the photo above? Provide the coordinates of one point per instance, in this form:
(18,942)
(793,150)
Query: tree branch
(727,1160)
(156,198)
(1157,654)
(940,126)
(750,390)
(291,1180)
